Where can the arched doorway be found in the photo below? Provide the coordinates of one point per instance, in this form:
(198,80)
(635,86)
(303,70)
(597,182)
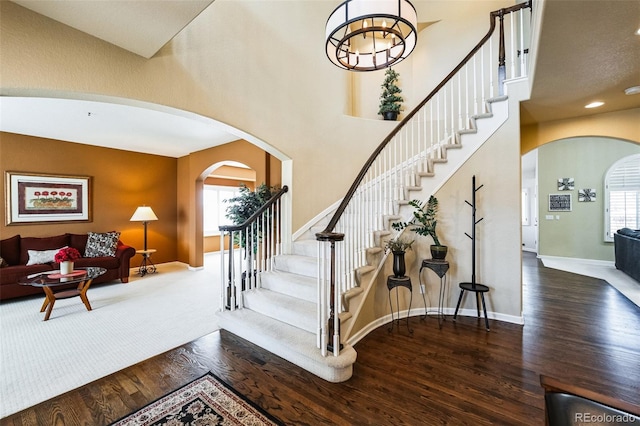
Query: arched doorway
(270,168)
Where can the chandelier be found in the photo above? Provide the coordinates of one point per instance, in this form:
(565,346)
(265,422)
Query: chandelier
(368,35)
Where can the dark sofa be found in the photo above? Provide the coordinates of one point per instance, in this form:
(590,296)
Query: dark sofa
(568,404)
(14,252)
(627,251)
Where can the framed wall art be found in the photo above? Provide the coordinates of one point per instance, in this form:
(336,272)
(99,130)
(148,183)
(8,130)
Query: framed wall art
(37,198)
(566,184)
(586,195)
(559,202)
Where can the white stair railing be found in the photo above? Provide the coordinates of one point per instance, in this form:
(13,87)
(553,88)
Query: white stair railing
(247,250)
(409,153)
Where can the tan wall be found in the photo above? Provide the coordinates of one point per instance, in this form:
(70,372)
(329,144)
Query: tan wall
(434,57)
(496,165)
(620,125)
(295,101)
(121,181)
(192,170)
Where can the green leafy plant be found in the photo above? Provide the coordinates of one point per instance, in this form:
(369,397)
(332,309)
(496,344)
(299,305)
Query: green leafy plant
(390,99)
(245,204)
(424,219)
(399,244)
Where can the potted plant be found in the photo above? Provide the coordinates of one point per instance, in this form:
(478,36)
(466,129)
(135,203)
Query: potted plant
(241,208)
(65,257)
(390,99)
(398,246)
(424,223)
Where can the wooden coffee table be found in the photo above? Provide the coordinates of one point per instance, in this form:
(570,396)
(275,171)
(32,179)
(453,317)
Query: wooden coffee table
(51,280)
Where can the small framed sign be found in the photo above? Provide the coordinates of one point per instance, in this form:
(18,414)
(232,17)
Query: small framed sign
(559,202)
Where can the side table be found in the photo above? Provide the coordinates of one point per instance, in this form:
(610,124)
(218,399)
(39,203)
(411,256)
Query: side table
(395,282)
(440,267)
(146,266)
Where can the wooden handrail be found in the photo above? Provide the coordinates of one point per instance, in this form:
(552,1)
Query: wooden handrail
(327,233)
(257,214)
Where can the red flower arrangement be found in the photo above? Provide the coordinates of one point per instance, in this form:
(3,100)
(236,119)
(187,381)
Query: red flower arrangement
(66,254)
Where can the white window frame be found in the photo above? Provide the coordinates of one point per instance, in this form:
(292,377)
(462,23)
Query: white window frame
(222,207)
(630,183)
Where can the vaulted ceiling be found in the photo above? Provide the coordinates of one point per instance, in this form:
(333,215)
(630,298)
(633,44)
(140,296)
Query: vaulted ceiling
(588,51)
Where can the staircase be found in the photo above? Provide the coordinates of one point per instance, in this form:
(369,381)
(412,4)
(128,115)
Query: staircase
(287,308)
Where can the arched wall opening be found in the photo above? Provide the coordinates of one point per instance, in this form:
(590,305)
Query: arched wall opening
(268,169)
(182,147)
(567,168)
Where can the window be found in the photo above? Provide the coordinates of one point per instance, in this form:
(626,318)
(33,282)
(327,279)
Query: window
(622,196)
(214,208)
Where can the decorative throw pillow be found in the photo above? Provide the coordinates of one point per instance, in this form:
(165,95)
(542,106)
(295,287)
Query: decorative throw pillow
(3,263)
(102,244)
(38,257)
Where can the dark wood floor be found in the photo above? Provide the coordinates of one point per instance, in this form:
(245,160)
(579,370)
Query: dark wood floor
(577,329)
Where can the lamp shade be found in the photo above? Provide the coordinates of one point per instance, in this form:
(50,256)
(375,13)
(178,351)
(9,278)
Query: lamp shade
(368,35)
(143,214)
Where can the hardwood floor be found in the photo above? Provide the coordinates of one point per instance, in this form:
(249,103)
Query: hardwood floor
(578,329)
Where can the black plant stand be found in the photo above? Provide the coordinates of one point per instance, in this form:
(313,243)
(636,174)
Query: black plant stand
(473,286)
(395,282)
(440,267)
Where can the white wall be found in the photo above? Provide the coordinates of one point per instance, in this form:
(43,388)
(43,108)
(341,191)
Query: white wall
(530,186)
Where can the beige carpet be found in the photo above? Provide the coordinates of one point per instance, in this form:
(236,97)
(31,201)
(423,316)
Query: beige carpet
(128,324)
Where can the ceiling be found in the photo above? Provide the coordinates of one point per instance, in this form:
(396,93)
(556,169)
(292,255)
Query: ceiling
(139,26)
(114,123)
(588,51)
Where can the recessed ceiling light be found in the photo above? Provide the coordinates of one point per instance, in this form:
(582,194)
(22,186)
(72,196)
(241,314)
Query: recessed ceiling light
(638,31)
(594,104)
(632,90)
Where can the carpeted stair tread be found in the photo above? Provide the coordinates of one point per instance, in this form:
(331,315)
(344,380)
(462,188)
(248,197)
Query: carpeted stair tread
(291,343)
(296,285)
(291,310)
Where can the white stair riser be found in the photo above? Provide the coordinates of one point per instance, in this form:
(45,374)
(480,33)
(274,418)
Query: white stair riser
(293,344)
(296,312)
(291,284)
(295,264)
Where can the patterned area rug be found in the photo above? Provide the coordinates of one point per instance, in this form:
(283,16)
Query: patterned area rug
(206,401)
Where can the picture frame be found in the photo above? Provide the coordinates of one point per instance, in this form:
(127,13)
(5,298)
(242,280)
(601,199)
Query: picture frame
(566,184)
(559,202)
(36,198)
(587,195)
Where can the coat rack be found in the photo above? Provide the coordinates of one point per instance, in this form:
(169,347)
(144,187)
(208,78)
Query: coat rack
(473,286)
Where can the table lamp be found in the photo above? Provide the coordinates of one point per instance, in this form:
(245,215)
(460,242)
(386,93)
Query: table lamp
(144,214)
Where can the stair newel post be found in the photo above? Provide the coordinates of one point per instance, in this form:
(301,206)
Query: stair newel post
(231,288)
(321,338)
(333,323)
(502,68)
(223,275)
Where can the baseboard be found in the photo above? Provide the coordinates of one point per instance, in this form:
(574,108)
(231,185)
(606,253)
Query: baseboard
(304,228)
